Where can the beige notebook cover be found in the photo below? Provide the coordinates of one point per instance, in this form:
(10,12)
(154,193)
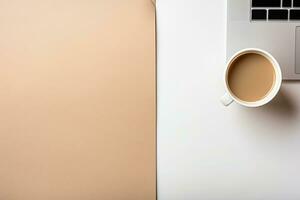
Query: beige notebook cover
(77,100)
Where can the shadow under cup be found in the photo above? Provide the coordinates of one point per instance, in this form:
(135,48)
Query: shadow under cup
(253,78)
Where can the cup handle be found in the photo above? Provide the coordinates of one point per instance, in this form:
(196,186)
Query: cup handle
(226,99)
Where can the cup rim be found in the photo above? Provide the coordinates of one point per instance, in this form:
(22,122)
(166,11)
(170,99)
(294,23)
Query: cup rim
(278,80)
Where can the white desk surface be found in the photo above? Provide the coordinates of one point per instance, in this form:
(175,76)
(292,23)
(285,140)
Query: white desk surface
(207,151)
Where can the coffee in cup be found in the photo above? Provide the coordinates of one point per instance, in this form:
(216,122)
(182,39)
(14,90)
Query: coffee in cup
(252,78)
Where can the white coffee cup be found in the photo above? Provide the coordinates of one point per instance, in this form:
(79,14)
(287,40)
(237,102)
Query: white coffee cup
(229,97)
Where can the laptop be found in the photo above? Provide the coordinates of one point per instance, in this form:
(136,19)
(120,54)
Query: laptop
(271,25)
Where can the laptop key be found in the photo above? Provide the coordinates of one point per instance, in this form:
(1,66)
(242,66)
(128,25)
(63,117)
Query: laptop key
(278,14)
(266,3)
(294,14)
(259,14)
(287,3)
(296,3)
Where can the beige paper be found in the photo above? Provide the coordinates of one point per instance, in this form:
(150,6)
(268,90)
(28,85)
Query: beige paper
(77,100)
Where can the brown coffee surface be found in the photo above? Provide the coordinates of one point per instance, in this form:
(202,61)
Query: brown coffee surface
(251,77)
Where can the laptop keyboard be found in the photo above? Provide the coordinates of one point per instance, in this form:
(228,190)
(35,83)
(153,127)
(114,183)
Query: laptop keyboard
(269,10)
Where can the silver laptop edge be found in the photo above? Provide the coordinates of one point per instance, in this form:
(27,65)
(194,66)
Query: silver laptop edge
(278,37)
